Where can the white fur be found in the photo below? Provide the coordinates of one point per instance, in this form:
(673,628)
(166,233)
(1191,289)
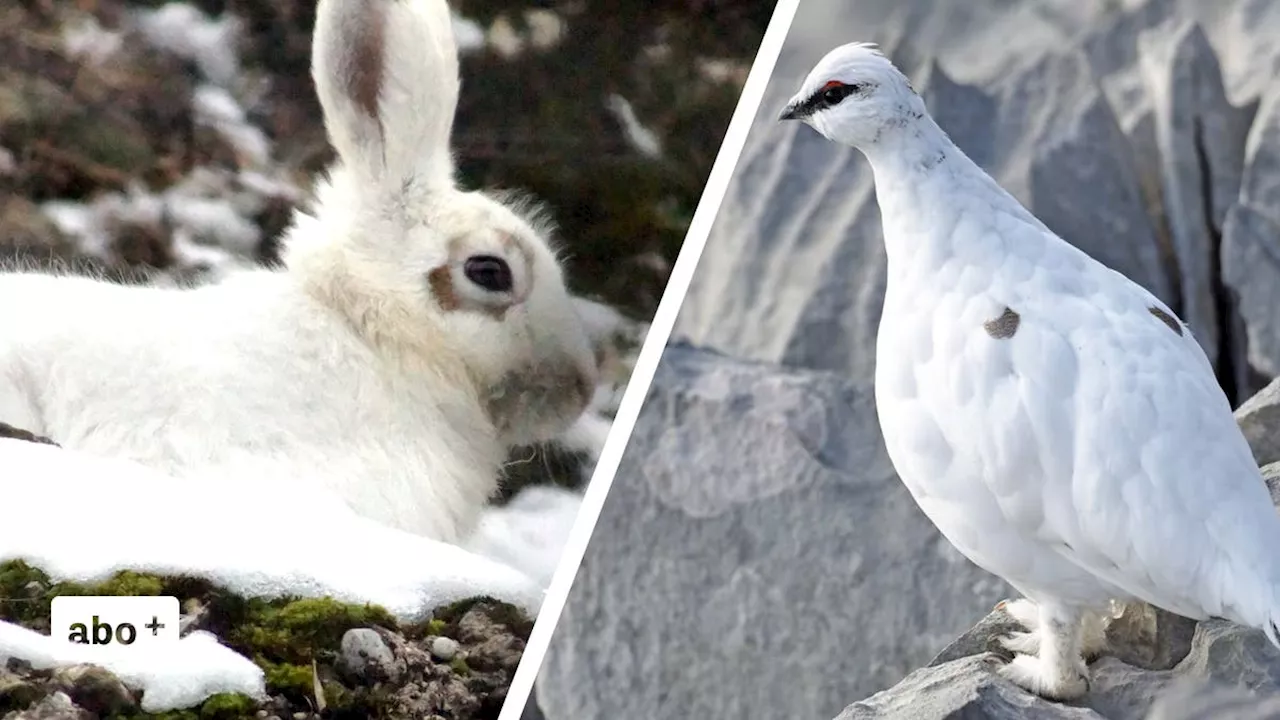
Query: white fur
(343,366)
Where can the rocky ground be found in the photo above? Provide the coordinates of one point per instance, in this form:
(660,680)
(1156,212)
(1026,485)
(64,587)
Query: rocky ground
(321,658)
(756,516)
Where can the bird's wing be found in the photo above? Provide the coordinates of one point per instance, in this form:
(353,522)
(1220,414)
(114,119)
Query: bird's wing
(1149,484)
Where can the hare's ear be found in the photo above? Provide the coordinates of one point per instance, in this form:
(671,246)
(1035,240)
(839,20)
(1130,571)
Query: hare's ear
(386,72)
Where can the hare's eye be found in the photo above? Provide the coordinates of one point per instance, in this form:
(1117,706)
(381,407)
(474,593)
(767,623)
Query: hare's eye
(489,272)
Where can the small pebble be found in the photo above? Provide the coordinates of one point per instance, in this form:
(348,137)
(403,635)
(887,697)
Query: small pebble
(444,648)
(364,656)
(299,716)
(262,713)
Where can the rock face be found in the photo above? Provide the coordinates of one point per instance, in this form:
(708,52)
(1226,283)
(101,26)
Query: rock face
(750,561)
(757,557)
(756,539)
(1222,660)
(1259,418)
(1135,133)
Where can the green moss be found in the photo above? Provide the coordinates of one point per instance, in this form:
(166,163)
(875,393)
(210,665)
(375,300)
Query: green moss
(282,636)
(292,680)
(170,715)
(295,631)
(26,593)
(228,706)
(498,611)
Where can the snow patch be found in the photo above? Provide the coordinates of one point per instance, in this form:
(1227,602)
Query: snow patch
(642,139)
(185,31)
(170,676)
(142,520)
(55,497)
(216,108)
(530,532)
(85,38)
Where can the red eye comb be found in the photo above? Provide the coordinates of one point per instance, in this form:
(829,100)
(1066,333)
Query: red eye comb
(832,84)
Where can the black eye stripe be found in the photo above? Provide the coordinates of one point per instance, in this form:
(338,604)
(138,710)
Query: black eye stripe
(827,97)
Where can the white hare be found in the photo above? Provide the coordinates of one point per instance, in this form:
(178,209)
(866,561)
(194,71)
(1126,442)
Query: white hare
(414,334)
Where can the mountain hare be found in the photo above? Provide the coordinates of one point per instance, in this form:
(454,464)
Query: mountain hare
(414,334)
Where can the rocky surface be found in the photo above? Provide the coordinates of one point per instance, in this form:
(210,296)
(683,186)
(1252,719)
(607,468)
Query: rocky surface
(1220,663)
(1259,417)
(321,658)
(757,557)
(1144,132)
(774,532)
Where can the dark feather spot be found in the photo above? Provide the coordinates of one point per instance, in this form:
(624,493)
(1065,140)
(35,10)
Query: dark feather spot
(1004,326)
(1167,319)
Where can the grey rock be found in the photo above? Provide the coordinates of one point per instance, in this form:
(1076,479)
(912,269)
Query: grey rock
(531,710)
(363,655)
(1150,637)
(1251,239)
(1199,144)
(965,688)
(1259,420)
(1221,656)
(1197,701)
(94,689)
(55,706)
(17,691)
(978,639)
(755,517)
(444,648)
(1271,474)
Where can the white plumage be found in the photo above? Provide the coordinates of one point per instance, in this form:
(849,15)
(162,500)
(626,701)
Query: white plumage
(1055,420)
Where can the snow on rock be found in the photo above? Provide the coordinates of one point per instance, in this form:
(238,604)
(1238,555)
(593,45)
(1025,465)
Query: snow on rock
(87,39)
(187,32)
(218,109)
(170,676)
(208,215)
(641,138)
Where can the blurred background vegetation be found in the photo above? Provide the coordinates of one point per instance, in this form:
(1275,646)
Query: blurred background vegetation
(83,115)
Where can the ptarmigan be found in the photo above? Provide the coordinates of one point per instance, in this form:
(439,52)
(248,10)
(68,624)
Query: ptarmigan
(1055,420)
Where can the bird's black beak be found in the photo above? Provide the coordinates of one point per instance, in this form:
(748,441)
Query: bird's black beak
(790,112)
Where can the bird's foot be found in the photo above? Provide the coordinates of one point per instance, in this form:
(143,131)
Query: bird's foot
(1020,643)
(1093,634)
(1025,612)
(1048,680)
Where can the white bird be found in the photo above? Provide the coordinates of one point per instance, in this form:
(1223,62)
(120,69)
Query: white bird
(1056,421)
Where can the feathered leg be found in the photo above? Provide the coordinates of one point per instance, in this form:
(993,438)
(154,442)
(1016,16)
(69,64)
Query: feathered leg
(1057,671)
(1093,630)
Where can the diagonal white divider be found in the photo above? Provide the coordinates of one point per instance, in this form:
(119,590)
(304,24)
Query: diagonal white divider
(650,353)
